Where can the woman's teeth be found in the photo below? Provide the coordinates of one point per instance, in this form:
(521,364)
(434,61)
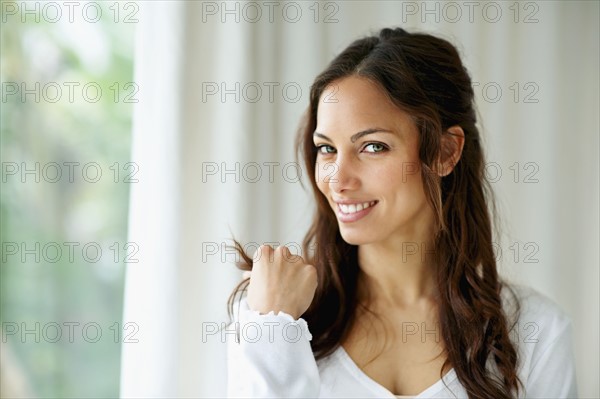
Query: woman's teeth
(353,208)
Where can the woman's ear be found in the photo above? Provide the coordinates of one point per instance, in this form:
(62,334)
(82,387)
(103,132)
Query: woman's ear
(453,140)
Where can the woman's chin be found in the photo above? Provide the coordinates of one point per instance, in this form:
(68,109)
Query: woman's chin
(355,237)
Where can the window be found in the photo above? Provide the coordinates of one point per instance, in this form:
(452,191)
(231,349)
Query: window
(67,97)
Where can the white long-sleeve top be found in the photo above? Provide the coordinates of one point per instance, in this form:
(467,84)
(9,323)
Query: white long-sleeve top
(273,358)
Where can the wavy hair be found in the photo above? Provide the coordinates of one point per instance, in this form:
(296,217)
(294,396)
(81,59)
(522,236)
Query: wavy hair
(424,76)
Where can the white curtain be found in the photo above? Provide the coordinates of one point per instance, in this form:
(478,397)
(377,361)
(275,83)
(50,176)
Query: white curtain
(222,88)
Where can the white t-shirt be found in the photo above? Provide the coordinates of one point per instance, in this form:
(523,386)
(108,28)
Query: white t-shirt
(273,357)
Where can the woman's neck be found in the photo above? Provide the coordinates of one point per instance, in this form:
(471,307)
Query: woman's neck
(397,274)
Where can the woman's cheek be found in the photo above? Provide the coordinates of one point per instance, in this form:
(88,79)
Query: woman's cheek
(325,172)
(391,175)
(320,177)
(409,171)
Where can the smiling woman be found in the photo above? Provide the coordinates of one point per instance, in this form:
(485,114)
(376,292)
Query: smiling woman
(403,236)
(379,151)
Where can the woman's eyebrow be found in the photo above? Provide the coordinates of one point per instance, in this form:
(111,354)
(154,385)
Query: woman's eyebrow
(358,135)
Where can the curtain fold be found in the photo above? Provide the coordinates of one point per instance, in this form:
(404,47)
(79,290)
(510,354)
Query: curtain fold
(149,366)
(213,140)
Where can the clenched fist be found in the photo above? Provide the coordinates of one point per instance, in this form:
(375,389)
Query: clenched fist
(280,281)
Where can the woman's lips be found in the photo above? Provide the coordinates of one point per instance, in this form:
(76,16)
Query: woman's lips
(353,217)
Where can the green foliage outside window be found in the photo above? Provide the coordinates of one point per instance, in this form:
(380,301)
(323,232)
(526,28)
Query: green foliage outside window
(57,132)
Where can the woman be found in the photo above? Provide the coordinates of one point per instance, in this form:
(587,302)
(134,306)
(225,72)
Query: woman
(401,295)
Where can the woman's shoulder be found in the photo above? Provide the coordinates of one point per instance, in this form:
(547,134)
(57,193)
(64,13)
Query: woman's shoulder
(532,305)
(537,321)
(543,336)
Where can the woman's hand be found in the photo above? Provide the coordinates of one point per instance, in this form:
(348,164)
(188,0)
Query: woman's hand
(280,281)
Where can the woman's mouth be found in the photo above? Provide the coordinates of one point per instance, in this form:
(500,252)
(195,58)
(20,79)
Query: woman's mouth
(348,213)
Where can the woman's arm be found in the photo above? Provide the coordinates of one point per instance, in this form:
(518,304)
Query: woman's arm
(270,357)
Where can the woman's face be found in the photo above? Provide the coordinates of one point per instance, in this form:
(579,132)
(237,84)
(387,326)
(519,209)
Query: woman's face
(368,156)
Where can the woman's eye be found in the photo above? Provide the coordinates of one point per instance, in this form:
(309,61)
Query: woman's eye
(376,147)
(328,149)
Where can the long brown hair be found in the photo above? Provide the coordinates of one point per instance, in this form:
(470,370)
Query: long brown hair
(424,76)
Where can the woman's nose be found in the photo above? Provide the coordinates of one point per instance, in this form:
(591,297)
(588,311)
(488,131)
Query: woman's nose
(341,175)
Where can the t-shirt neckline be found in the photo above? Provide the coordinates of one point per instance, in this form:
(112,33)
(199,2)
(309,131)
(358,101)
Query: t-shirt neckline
(379,389)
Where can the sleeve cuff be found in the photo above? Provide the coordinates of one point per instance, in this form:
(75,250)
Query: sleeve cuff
(291,330)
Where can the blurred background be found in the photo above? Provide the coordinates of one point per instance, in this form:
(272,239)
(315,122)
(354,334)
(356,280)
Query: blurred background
(138,138)
(66,137)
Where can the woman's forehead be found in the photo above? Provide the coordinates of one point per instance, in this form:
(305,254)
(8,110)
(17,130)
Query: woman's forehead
(355,104)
